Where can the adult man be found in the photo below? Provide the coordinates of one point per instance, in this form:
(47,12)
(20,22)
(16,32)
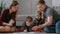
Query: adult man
(50,15)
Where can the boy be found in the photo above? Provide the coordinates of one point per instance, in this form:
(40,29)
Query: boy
(38,21)
(28,24)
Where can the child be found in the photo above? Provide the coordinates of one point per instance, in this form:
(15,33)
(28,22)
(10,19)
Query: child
(38,21)
(28,24)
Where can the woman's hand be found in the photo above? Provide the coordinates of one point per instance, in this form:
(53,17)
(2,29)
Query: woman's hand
(11,22)
(7,24)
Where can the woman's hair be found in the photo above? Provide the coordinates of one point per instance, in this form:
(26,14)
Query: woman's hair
(29,18)
(41,2)
(14,3)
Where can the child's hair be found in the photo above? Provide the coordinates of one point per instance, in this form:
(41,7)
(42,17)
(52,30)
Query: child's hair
(39,12)
(29,18)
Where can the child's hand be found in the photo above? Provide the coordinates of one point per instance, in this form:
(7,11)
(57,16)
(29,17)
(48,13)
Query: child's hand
(25,30)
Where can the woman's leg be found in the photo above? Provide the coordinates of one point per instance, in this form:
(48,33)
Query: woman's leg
(1,28)
(7,29)
(13,29)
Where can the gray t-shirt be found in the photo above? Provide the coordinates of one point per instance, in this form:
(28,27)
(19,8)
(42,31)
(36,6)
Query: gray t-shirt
(51,12)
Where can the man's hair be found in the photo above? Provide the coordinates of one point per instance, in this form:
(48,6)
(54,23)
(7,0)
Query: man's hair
(41,2)
(29,18)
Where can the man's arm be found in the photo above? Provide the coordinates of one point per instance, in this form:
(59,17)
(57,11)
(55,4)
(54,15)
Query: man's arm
(49,21)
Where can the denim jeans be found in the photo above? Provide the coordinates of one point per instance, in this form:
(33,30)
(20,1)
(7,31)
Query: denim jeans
(50,29)
(53,29)
(58,27)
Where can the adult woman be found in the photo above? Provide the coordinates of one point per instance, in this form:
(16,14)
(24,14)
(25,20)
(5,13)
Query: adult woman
(9,17)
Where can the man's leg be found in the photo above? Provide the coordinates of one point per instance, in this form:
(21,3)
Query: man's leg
(58,27)
(49,29)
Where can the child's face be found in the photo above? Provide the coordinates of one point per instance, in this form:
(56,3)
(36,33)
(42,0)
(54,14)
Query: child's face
(38,16)
(28,23)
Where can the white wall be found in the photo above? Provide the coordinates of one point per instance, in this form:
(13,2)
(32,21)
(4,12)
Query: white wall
(28,7)
(7,3)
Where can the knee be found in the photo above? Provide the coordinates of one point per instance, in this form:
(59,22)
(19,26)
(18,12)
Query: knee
(58,23)
(46,29)
(1,28)
(7,28)
(58,27)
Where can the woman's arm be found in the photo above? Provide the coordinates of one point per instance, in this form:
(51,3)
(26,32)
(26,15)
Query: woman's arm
(11,22)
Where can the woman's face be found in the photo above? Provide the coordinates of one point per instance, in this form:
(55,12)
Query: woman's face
(14,8)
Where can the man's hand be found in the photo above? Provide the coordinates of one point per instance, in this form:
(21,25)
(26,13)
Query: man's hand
(41,27)
(35,28)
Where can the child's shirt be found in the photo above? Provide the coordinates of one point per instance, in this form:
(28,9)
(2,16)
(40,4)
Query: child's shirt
(37,22)
(25,27)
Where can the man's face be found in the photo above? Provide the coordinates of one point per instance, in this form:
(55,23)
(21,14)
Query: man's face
(41,7)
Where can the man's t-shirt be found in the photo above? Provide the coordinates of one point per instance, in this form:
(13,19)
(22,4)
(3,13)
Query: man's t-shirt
(51,12)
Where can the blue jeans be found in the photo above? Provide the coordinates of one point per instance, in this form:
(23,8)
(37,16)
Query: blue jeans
(50,29)
(53,28)
(58,27)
